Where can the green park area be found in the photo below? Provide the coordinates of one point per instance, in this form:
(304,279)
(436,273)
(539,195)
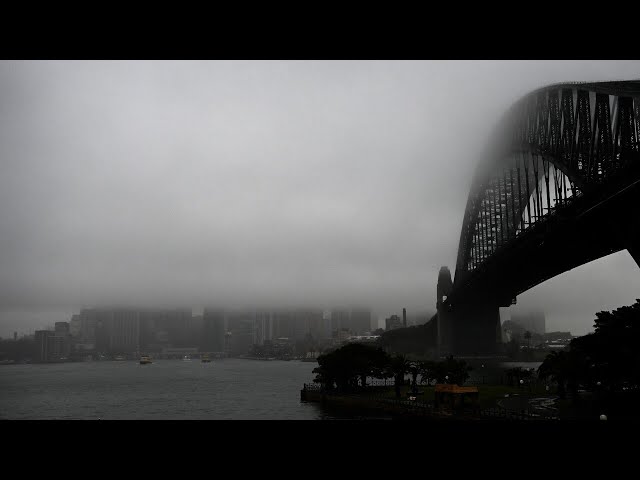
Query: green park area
(596,375)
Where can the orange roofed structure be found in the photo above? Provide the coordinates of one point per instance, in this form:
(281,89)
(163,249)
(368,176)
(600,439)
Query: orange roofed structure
(452,396)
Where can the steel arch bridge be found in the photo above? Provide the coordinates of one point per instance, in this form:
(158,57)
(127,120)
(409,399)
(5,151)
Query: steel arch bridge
(559,186)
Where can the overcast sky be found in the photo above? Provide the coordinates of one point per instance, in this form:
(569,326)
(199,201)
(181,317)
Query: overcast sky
(258,183)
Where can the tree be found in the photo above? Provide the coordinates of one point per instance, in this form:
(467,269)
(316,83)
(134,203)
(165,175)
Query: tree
(513,348)
(514,375)
(553,368)
(348,367)
(456,370)
(414,370)
(607,358)
(399,366)
(428,371)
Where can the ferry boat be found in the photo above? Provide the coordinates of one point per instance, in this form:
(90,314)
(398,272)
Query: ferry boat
(144,359)
(205,358)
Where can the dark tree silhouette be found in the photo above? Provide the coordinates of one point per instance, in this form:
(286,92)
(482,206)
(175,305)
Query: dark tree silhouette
(399,365)
(347,368)
(608,358)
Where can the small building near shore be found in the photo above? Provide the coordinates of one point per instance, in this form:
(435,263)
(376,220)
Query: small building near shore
(453,396)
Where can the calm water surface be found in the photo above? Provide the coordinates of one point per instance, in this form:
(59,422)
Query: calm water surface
(166,389)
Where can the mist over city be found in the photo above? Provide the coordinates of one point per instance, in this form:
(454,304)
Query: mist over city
(299,183)
(280,210)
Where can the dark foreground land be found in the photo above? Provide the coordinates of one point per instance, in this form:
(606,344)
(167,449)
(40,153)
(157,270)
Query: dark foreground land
(532,403)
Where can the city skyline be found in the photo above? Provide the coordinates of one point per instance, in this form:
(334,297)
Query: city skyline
(313,182)
(377,319)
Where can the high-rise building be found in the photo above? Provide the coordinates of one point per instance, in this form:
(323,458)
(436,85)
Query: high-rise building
(326,324)
(360,321)
(263,329)
(393,322)
(42,345)
(339,319)
(241,325)
(59,346)
(88,325)
(196,330)
(306,322)
(113,330)
(213,331)
(62,328)
(168,328)
(124,334)
(283,325)
(314,323)
(61,341)
(180,327)
(75,326)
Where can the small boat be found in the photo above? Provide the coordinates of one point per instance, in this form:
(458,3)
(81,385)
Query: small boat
(186,358)
(144,359)
(205,358)
(119,358)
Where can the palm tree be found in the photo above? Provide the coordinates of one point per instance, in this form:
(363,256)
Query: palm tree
(554,368)
(399,366)
(427,371)
(414,369)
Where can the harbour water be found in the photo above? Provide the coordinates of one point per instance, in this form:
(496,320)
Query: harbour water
(224,389)
(232,389)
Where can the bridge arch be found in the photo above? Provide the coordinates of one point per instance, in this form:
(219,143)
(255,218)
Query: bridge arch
(557,188)
(553,148)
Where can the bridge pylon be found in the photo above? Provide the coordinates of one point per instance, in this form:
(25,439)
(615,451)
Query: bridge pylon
(469,327)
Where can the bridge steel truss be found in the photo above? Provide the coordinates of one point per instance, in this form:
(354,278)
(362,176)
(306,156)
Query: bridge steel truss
(560,151)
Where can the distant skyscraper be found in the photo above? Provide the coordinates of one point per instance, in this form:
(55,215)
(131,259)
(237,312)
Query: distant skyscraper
(339,319)
(213,331)
(393,322)
(168,328)
(314,324)
(124,331)
(42,345)
(62,328)
(241,325)
(306,322)
(88,325)
(360,321)
(326,324)
(75,326)
(263,329)
(283,325)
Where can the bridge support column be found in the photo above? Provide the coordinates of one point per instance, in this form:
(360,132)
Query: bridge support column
(445,331)
(475,329)
(444,320)
(469,329)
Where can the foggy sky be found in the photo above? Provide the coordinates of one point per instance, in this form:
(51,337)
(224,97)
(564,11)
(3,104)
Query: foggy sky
(258,183)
